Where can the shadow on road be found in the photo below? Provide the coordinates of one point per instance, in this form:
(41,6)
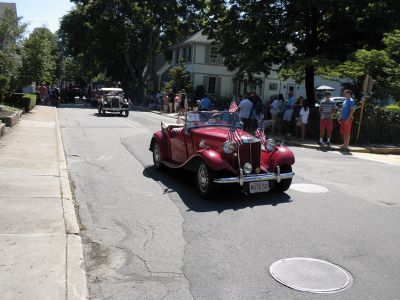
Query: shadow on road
(227,197)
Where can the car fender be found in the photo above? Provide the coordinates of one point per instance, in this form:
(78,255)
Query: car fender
(159,137)
(214,160)
(281,156)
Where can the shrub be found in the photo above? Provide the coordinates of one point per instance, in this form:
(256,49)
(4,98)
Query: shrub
(221,103)
(395,106)
(23,101)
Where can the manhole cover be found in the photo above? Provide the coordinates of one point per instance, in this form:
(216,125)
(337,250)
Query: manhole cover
(309,188)
(310,275)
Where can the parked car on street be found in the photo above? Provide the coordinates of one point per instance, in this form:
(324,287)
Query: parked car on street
(339,101)
(204,145)
(112,100)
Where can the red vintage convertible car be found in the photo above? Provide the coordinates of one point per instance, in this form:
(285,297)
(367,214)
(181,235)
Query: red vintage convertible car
(203,144)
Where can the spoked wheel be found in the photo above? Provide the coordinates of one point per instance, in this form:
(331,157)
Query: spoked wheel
(157,157)
(205,181)
(126,113)
(284,185)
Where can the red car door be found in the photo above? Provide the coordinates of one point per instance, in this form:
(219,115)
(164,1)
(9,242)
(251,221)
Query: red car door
(178,145)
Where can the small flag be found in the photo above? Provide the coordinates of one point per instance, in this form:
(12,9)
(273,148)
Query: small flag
(186,105)
(260,133)
(233,107)
(234,138)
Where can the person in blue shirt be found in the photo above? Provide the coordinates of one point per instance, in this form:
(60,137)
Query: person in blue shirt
(205,103)
(287,116)
(346,119)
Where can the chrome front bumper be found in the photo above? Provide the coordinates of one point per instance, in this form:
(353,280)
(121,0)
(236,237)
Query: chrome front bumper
(255,177)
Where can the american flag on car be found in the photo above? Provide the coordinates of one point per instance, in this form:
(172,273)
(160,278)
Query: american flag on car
(186,104)
(233,107)
(260,133)
(234,137)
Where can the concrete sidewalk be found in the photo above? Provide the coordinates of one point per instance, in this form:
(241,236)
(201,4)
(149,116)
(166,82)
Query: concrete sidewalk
(377,149)
(40,247)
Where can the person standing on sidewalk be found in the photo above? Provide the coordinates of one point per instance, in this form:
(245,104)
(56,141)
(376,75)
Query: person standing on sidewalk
(43,93)
(303,118)
(171,98)
(287,116)
(327,108)
(205,103)
(346,119)
(245,112)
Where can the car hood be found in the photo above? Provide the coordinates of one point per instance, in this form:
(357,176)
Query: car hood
(213,137)
(215,133)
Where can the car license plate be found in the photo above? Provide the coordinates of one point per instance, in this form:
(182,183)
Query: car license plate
(259,187)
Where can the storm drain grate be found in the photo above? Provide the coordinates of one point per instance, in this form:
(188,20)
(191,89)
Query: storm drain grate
(309,188)
(310,275)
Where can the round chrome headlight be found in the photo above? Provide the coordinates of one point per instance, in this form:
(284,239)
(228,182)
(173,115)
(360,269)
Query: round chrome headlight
(228,147)
(247,168)
(270,145)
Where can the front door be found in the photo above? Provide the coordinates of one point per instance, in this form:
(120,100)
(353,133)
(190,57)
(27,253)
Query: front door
(178,145)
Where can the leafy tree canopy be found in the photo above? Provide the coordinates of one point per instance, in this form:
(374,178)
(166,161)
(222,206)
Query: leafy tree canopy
(11,30)
(38,57)
(300,35)
(123,36)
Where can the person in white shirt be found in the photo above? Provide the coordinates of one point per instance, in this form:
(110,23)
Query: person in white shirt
(303,118)
(276,111)
(245,111)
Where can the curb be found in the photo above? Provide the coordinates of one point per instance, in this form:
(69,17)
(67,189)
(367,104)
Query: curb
(373,150)
(76,274)
(12,120)
(2,129)
(141,108)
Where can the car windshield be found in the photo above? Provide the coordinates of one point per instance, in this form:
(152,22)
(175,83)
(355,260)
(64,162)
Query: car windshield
(212,118)
(115,93)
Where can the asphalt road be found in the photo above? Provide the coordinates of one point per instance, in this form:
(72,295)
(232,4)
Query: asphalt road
(149,236)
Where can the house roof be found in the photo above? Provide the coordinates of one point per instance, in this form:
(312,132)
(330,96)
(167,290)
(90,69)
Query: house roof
(11,6)
(197,38)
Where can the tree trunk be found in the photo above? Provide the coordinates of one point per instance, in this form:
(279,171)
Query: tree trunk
(310,94)
(139,91)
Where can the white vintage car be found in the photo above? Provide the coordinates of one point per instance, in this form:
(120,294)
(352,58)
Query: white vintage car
(112,100)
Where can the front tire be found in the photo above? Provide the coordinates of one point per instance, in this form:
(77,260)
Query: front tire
(126,113)
(157,157)
(284,185)
(205,181)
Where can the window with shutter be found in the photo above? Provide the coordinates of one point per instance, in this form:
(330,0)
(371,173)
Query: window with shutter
(205,83)
(213,57)
(189,54)
(176,56)
(212,85)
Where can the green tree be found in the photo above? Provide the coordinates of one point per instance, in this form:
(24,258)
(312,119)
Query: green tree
(11,31)
(180,79)
(383,65)
(124,36)
(300,35)
(38,57)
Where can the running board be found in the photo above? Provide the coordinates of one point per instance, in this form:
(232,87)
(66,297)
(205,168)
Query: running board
(171,165)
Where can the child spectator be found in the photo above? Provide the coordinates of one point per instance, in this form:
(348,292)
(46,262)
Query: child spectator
(303,118)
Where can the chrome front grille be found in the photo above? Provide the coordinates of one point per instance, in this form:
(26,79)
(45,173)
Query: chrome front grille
(115,102)
(250,153)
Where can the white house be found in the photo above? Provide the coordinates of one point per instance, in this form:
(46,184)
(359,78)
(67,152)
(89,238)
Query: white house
(202,60)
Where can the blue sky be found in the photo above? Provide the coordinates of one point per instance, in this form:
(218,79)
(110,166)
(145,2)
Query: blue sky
(40,13)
